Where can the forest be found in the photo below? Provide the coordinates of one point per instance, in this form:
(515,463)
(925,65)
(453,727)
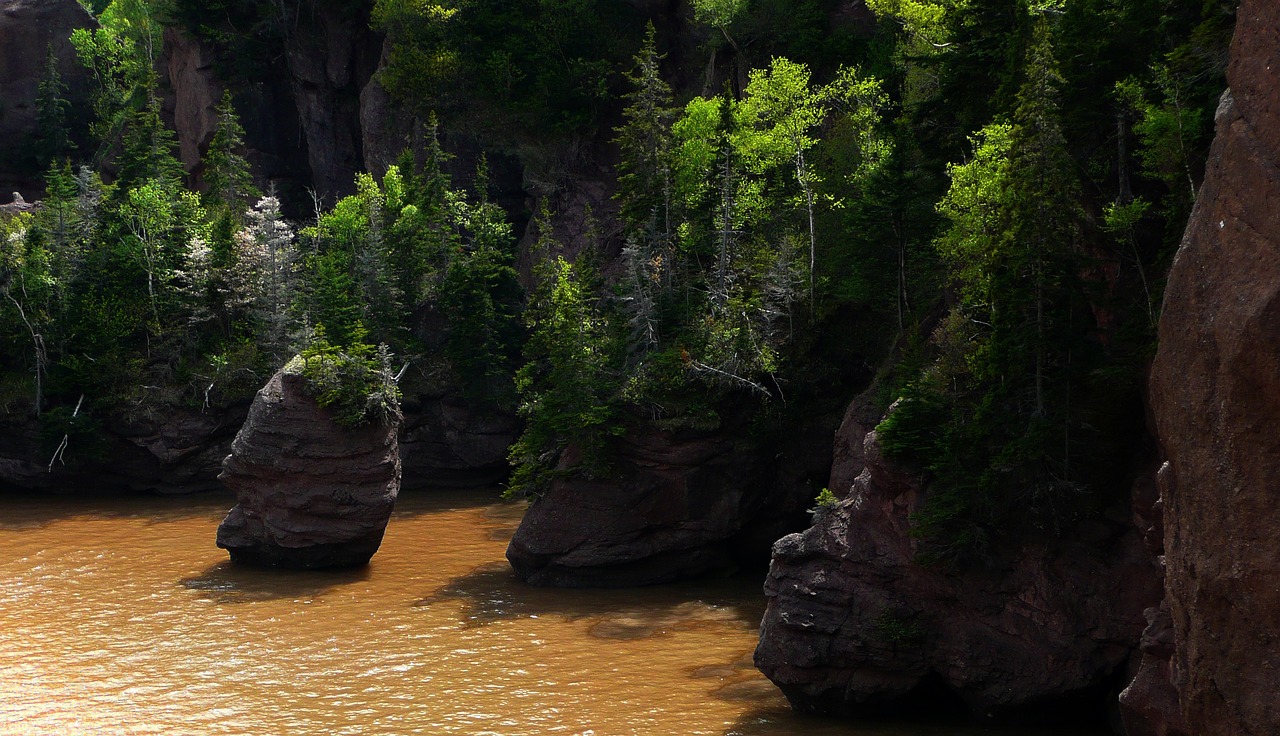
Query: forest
(967,208)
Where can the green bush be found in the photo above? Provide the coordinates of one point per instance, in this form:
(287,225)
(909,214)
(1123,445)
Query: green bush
(355,382)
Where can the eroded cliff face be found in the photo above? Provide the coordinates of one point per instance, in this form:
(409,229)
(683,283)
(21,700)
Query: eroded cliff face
(854,626)
(308,120)
(1216,407)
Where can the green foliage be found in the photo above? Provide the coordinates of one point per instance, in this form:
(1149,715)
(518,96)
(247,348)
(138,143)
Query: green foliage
(568,393)
(898,630)
(228,180)
(71,436)
(526,68)
(51,114)
(354,381)
(121,53)
(482,292)
(826,499)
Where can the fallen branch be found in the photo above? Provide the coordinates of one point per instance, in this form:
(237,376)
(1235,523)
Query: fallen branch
(66,439)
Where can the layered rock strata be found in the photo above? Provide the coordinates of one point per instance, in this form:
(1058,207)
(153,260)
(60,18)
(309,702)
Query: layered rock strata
(675,505)
(310,493)
(854,626)
(1216,406)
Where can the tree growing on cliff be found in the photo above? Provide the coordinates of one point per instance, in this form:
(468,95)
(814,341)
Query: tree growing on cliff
(227,175)
(51,114)
(568,384)
(265,276)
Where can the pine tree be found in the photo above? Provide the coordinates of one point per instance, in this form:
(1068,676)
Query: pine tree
(51,113)
(644,140)
(265,275)
(227,176)
(147,150)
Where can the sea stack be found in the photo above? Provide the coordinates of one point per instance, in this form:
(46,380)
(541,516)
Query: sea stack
(311,493)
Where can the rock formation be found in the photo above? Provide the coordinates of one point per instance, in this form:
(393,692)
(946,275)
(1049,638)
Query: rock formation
(311,494)
(331,56)
(1216,407)
(854,626)
(194,94)
(676,505)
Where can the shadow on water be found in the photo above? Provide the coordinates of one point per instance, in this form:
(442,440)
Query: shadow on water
(226,582)
(492,593)
(38,510)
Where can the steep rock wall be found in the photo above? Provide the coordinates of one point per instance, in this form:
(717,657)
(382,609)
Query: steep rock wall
(1216,407)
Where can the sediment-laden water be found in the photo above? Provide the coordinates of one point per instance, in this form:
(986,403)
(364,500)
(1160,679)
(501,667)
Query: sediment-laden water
(120,616)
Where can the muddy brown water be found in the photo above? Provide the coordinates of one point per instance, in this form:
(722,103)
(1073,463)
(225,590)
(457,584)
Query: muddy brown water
(120,616)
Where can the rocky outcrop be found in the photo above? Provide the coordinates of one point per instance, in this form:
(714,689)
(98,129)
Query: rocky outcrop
(675,505)
(1215,400)
(27,29)
(194,95)
(1149,704)
(177,453)
(855,626)
(310,493)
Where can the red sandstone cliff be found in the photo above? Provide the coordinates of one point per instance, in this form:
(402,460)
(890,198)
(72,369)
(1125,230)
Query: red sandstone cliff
(1216,406)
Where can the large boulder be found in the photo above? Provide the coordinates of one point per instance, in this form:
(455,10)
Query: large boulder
(311,493)
(855,626)
(1215,398)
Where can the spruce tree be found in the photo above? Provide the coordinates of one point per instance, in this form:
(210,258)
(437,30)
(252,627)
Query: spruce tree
(644,142)
(51,113)
(147,150)
(227,176)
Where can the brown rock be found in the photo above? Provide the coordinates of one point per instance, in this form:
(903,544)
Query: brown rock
(1215,395)
(668,517)
(676,505)
(311,494)
(854,626)
(195,94)
(331,55)
(1149,705)
(847,448)
(447,442)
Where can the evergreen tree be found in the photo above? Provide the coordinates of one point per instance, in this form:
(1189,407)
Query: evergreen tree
(568,389)
(644,140)
(265,276)
(227,176)
(51,114)
(147,149)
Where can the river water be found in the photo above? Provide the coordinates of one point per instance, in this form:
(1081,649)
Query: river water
(120,616)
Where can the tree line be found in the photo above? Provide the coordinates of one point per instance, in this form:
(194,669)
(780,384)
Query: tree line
(979,199)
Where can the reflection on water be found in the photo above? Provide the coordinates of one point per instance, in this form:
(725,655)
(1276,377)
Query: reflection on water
(224,582)
(121,616)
